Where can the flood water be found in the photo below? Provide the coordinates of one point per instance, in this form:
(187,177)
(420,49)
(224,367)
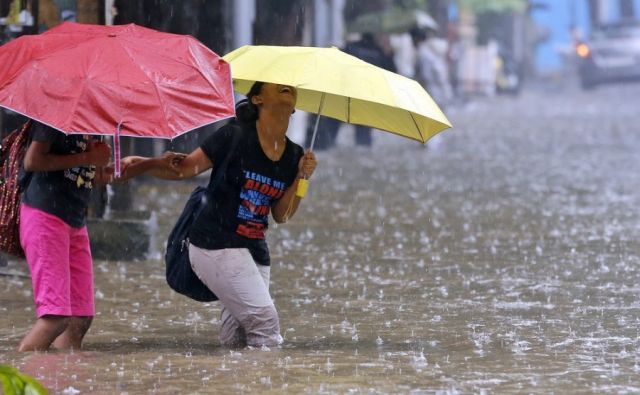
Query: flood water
(503,258)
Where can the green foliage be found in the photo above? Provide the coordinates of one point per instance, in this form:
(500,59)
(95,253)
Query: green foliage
(413,4)
(482,6)
(355,8)
(16,383)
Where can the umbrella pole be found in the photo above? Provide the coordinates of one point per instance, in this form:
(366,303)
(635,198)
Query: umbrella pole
(315,128)
(303,183)
(116,151)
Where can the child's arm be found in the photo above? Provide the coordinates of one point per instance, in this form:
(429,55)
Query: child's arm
(39,158)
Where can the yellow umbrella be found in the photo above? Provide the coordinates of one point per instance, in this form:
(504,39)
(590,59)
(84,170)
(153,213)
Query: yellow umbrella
(335,84)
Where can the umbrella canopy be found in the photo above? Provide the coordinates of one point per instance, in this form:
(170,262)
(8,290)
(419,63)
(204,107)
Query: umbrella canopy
(393,20)
(126,79)
(333,83)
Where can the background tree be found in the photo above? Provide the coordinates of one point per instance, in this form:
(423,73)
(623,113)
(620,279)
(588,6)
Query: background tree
(280,22)
(203,19)
(355,8)
(480,6)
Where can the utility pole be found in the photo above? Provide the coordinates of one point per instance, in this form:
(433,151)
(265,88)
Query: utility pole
(594,13)
(287,15)
(321,28)
(244,15)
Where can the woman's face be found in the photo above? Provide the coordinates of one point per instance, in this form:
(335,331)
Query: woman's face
(276,95)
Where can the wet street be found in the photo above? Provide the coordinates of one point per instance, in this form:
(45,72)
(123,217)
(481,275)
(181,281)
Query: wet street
(502,258)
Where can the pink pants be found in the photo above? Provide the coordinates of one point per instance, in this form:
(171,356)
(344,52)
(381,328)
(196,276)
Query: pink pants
(59,258)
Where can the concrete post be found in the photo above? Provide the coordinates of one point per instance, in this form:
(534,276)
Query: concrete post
(108,12)
(320,23)
(328,23)
(244,14)
(337,23)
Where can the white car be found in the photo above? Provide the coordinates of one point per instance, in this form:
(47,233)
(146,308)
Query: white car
(612,54)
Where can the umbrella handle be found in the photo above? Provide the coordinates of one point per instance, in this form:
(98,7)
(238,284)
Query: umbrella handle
(117,172)
(303,186)
(303,183)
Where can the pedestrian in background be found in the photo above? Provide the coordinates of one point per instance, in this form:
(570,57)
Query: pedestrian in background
(372,49)
(432,69)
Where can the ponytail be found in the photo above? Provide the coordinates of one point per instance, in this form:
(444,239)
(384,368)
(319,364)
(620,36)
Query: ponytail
(246,111)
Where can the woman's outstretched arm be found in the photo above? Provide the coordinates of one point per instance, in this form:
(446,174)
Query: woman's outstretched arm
(169,166)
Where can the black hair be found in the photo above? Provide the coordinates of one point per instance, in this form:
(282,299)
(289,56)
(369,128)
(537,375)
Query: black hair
(417,34)
(368,37)
(246,111)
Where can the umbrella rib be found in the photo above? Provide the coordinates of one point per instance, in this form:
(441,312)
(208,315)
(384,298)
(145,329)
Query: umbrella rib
(417,127)
(153,84)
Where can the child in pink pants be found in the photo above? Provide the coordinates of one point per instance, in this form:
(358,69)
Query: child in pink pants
(54,236)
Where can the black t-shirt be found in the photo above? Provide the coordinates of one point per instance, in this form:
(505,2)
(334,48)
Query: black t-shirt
(237,215)
(63,193)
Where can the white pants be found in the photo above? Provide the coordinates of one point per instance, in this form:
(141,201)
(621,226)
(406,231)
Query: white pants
(248,314)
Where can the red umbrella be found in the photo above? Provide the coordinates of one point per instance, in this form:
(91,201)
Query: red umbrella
(121,80)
